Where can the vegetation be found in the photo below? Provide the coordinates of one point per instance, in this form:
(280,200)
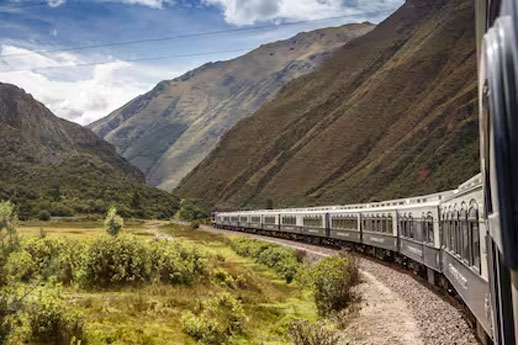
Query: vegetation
(190,212)
(333,280)
(282,259)
(52,167)
(307,333)
(113,222)
(217,320)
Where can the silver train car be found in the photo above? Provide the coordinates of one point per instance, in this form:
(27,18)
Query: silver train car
(440,235)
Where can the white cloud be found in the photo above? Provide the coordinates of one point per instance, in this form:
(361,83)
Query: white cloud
(243,12)
(55,3)
(81,94)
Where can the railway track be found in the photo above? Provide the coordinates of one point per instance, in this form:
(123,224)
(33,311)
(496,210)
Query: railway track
(439,319)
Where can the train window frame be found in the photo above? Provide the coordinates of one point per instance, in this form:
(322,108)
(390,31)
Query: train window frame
(475,243)
(292,220)
(429,233)
(255,219)
(410,227)
(390,224)
(464,236)
(456,233)
(266,218)
(308,221)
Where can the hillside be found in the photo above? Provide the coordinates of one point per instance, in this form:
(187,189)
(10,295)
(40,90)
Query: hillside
(169,130)
(50,164)
(390,114)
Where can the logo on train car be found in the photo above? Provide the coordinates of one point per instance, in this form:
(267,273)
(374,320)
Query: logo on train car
(415,251)
(313,231)
(458,276)
(343,234)
(289,228)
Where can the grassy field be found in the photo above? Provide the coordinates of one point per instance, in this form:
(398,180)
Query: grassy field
(151,314)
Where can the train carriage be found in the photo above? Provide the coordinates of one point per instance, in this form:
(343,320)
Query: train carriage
(291,222)
(464,256)
(345,226)
(379,228)
(314,223)
(270,221)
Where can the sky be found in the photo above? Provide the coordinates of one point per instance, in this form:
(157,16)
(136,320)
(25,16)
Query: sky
(85,58)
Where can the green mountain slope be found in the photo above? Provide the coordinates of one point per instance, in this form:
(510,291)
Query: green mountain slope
(169,130)
(390,114)
(49,164)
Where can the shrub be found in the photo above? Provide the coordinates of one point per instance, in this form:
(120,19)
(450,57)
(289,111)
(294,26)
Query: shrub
(195,224)
(333,280)
(176,262)
(307,333)
(44,215)
(113,222)
(8,236)
(111,261)
(216,321)
(38,316)
(54,257)
(283,260)
(51,322)
(58,209)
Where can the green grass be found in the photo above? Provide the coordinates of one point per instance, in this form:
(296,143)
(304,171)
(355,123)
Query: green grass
(150,314)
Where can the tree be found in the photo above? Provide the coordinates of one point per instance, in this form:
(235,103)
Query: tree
(113,222)
(8,235)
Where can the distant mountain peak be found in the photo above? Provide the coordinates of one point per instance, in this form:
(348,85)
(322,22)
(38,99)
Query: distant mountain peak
(169,130)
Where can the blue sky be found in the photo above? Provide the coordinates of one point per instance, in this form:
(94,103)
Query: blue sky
(34,35)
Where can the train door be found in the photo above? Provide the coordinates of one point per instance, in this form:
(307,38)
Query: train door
(327,225)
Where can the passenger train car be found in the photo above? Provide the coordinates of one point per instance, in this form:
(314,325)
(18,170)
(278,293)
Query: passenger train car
(441,235)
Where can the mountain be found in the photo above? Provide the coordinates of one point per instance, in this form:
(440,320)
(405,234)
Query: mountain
(391,114)
(48,164)
(169,130)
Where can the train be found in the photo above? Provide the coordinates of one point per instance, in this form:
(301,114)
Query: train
(465,239)
(440,236)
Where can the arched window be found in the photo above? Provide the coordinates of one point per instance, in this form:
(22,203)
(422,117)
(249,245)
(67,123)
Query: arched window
(464,233)
(429,228)
(389,226)
(411,230)
(474,235)
(456,231)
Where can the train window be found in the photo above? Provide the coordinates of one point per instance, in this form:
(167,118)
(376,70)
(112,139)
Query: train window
(410,227)
(428,228)
(475,238)
(225,219)
(269,220)
(464,233)
(379,225)
(456,230)
(256,219)
(445,225)
(243,219)
(234,219)
(314,222)
(290,220)
(388,223)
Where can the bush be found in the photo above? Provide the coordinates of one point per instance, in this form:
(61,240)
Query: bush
(113,222)
(44,215)
(57,209)
(333,280)
(38,317)
(216,321)
(306,333)
(195,224)
(281,259)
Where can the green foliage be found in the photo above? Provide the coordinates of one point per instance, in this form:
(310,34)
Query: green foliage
(191,212)
(283,260)
(195,224)
(8,237)
(216,321)
(115,261)
(113,222)
(38,316)
(307,333)
(43,215)
(333,279)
